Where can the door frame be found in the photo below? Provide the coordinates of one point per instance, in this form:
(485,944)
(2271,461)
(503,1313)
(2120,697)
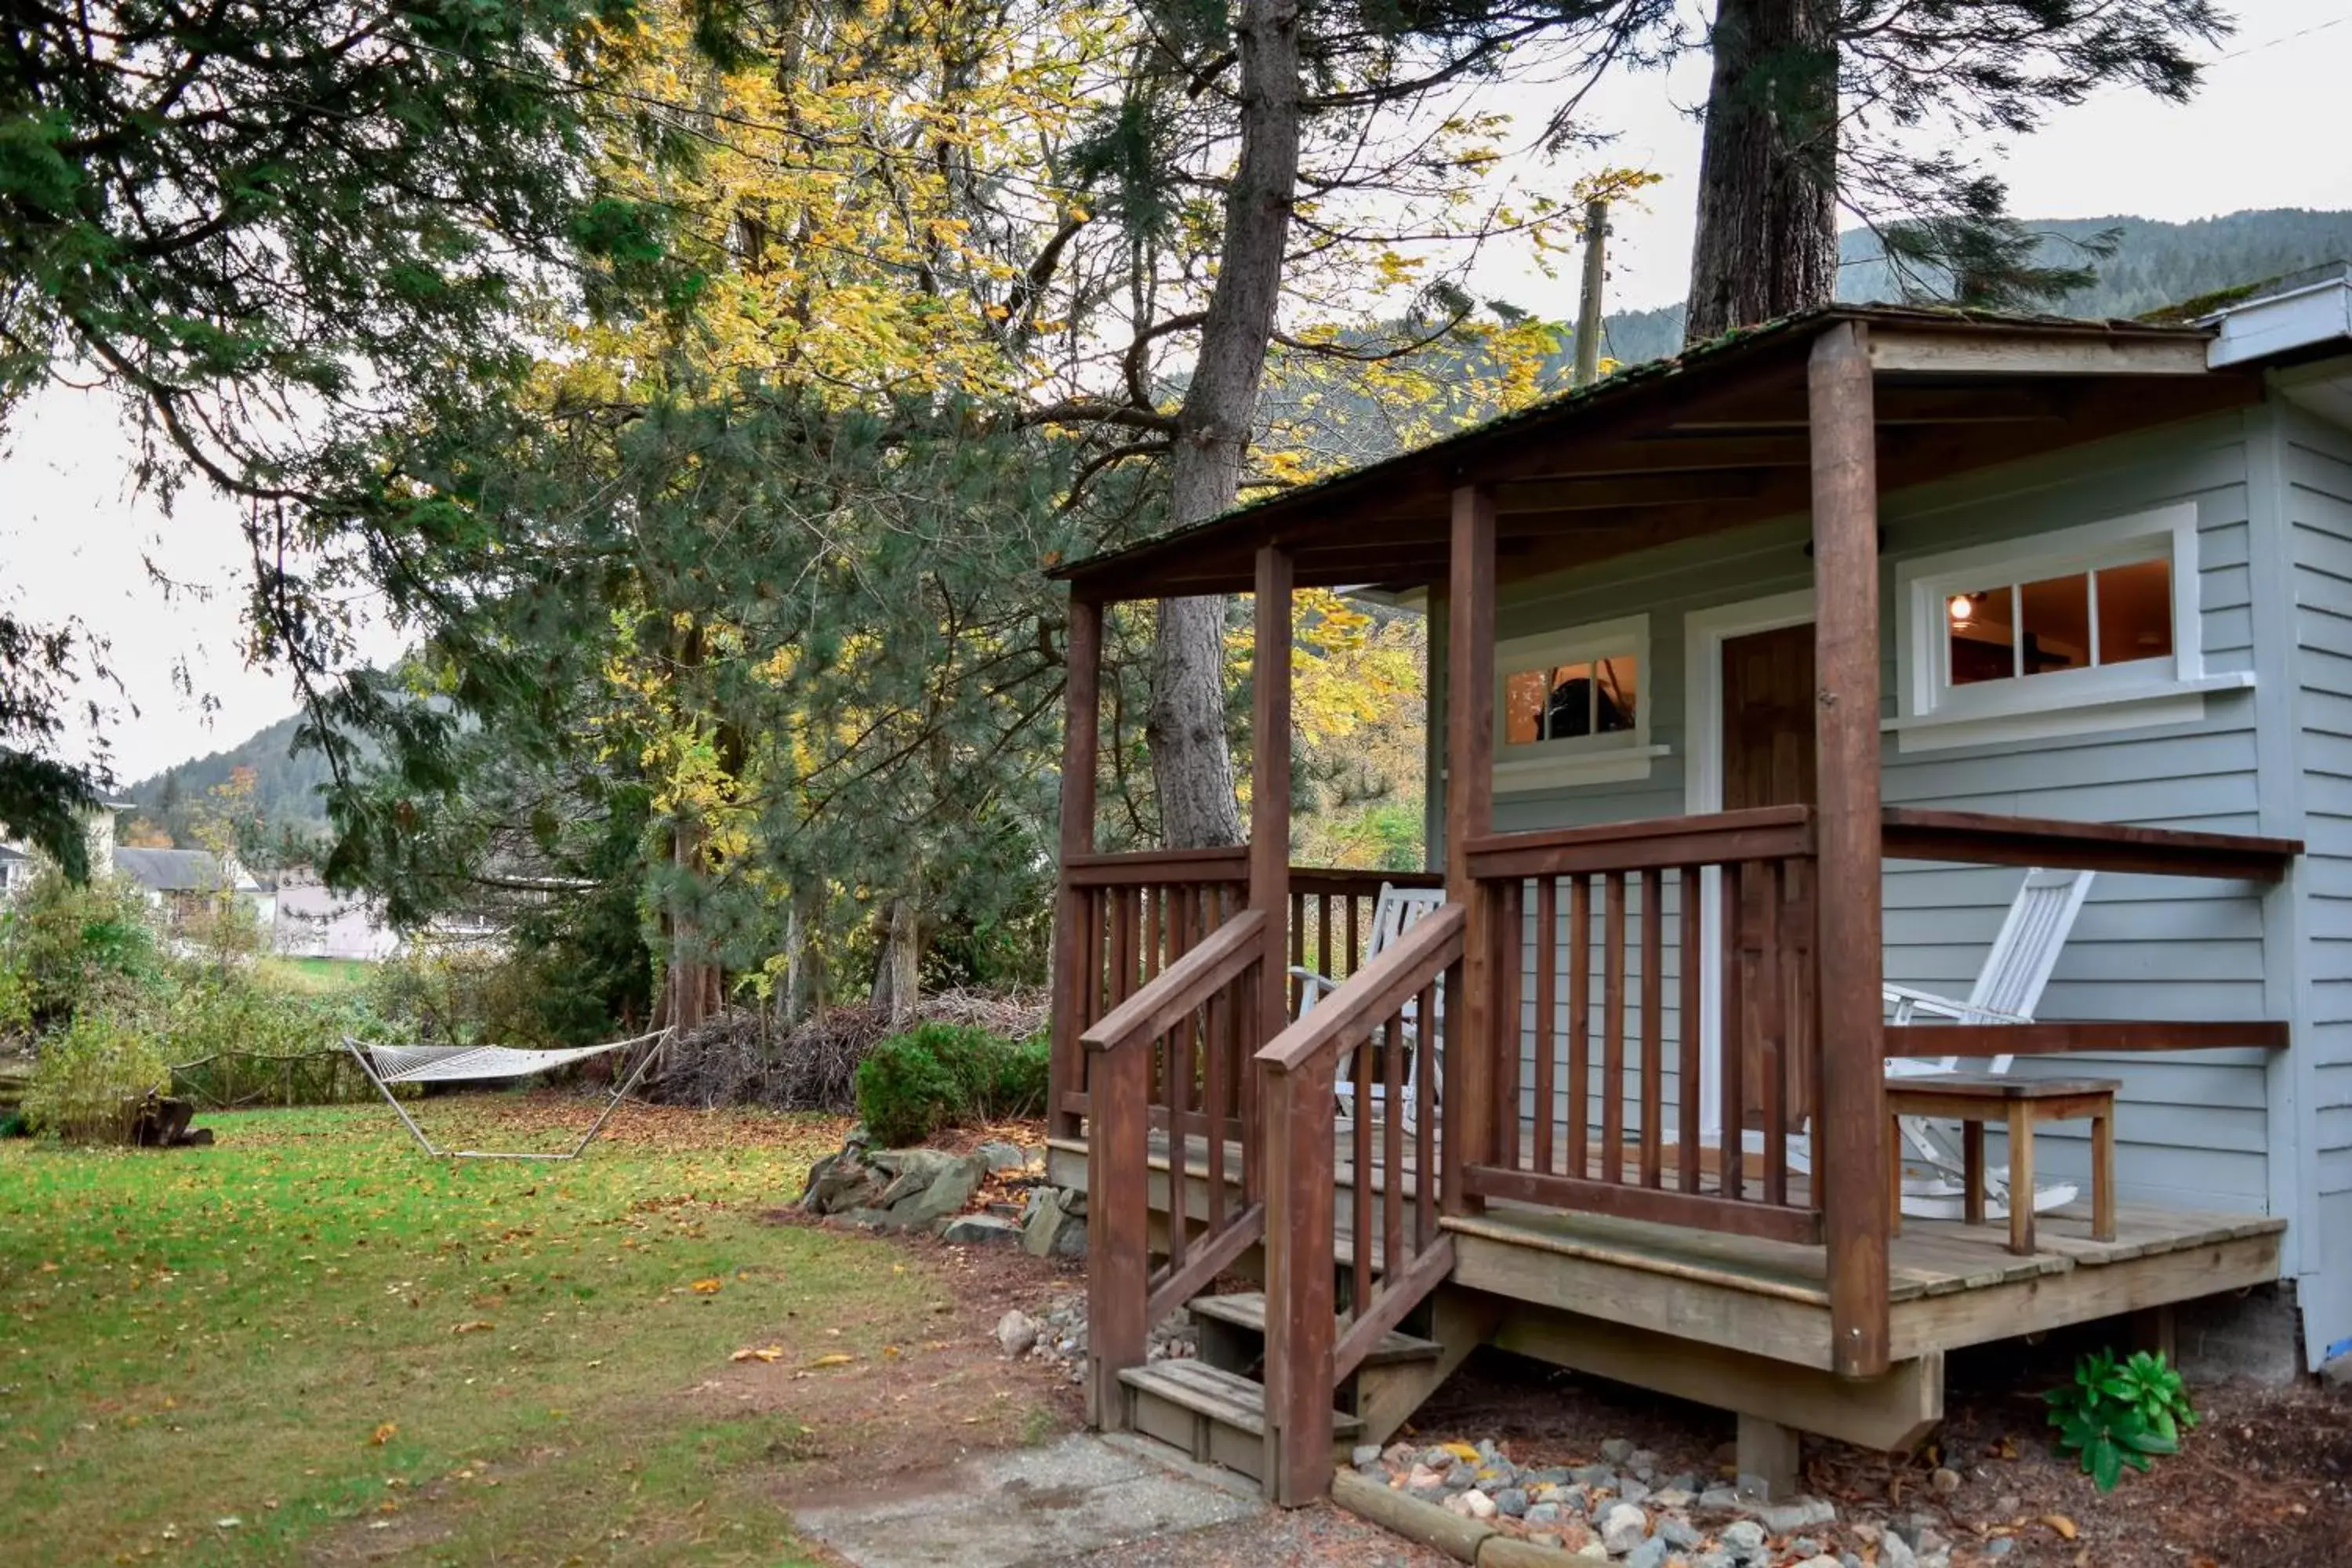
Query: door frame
(1704,634)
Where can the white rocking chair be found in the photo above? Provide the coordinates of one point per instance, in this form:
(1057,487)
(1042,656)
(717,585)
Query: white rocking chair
(2006,990)
(1397,912)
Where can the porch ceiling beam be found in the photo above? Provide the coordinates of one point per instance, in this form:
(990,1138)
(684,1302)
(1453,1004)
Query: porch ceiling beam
(1978,352)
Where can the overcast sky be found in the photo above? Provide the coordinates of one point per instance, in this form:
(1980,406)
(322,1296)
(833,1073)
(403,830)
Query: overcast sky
(2267,132)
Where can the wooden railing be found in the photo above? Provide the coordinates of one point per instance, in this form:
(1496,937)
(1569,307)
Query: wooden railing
(1981,838)
(1382,1037)
(1174,1056)
(1133,914)
(1129,917)
(1578,1118)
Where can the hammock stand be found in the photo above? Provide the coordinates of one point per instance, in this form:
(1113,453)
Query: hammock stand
(389,1065)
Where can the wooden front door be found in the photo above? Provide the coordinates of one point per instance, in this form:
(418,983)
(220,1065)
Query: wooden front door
(1768,759)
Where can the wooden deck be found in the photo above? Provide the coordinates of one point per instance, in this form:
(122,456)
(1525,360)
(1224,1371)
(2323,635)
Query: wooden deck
(1949,1284)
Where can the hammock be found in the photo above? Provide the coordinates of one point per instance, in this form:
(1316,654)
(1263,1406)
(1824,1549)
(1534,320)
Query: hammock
(389,1065)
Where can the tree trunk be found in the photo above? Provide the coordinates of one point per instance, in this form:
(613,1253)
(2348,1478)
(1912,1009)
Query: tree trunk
(804,992)
(1767,240)
(1192,765)
(898,965)
(693,979)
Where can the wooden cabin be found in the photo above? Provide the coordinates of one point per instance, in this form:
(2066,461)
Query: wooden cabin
(1622,1101)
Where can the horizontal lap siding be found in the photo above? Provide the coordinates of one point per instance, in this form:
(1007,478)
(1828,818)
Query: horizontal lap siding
(2319,513)
(2191,1129)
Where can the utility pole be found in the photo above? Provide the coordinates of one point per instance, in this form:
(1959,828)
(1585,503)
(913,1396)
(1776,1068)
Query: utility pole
(1588,309)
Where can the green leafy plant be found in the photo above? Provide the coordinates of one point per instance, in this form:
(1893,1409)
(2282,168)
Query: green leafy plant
(2117,1413)
(88,1081)
(940,1075)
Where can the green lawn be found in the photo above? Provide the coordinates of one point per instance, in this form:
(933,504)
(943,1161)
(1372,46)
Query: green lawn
(318,976)
(311,1343)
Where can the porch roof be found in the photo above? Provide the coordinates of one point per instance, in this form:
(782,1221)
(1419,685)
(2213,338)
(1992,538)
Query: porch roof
(1714,438)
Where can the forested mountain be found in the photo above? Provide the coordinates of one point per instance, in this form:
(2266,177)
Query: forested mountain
(285,785)
(2154,265)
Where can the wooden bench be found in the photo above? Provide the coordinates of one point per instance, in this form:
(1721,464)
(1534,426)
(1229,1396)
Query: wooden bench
(1974,1099)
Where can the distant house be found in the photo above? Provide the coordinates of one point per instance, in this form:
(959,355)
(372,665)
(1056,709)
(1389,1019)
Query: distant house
(177,879)
(316,921)
(19,862)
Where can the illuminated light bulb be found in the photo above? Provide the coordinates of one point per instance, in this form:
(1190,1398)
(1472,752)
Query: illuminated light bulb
(1963,609)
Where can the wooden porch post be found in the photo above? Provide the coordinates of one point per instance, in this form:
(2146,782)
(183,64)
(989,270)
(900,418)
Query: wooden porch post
(1081,701)
(1856,1213)
(1470,813)
(1269,845)
(1300,1325)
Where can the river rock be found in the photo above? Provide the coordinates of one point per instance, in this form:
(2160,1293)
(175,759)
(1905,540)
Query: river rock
(1016,1332)
(1622,1527)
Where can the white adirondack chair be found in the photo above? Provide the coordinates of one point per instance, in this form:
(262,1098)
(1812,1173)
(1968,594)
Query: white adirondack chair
(2006,990)
(1396,912)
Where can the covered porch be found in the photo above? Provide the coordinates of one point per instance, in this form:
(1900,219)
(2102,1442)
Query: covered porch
(1621,1100)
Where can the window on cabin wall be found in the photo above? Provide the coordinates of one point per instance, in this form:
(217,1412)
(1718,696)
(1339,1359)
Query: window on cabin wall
(1573,706)
(2081,620)
(2057,627)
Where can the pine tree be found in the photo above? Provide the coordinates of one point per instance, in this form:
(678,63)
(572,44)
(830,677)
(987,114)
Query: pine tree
(1814,105)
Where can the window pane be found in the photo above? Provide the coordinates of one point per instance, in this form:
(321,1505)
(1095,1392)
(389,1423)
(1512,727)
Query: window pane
(1617,686)
(2135,612)
(1523,706)
(1982,639)
(2057,624)
(1570,710)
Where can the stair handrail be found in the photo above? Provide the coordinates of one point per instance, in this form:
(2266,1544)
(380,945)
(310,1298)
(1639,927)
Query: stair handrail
(1121,1295)
(1307,1355)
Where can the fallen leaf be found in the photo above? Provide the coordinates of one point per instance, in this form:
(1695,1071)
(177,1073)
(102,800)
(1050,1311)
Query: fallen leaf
(384,1433)
(759,1353)
(834,1357)
(473,1326)
(2007,1449)
(2061,1523)
(707,1287)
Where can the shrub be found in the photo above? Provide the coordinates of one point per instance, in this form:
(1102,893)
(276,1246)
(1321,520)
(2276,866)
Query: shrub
(88,1081)
(2113,1415)
(940,1075)
(67,947)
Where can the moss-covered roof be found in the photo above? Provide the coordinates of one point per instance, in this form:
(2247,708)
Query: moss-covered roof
(1702,361)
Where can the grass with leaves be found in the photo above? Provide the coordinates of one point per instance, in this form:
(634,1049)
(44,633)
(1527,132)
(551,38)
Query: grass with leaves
(311,1343)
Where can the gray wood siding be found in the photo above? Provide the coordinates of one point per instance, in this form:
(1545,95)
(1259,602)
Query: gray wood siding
(2193,1129)
(2316,511)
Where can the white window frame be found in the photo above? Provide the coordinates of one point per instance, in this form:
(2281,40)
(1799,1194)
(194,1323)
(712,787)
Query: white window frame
(1623,755)
(1933,713)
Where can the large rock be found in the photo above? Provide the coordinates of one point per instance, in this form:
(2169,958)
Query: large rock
(981,1230)
(842,1181)
(913,1171)
(944,1188)
(1055,1227)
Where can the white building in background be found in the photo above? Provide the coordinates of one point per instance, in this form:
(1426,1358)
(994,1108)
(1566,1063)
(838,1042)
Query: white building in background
(316,921)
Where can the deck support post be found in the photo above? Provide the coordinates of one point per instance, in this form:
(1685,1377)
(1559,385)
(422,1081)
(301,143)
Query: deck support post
(1470,1054)
(1767,1457)
(1080,737)
(1852,1092)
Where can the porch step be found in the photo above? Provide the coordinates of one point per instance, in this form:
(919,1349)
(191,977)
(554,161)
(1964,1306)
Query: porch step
(1218,1417)
(1246,1310)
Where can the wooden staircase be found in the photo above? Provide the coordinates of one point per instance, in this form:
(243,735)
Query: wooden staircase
(1213,1406)
(1189,1052)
